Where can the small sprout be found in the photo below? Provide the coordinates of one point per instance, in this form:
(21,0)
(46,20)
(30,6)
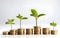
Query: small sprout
(53,24)
(10,21)
(35,14)
(20,17)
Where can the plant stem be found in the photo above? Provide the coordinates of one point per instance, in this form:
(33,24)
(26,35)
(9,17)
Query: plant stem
(20,23)
(11,26)
(53,28)
(36,21)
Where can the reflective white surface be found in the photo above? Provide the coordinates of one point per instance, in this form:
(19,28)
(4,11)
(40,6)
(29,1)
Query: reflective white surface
(29,36)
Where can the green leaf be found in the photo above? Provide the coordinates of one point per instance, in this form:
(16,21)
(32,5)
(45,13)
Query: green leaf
(10,21)
(41,15)
(19,16)
(31,15)
(34,12)
(6,22)
(53,24)
(24,18)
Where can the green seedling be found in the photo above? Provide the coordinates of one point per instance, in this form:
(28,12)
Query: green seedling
(10,21)
(53,24)
(20,17)
(35,15)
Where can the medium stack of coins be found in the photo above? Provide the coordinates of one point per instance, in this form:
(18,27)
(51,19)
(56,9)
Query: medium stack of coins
(37,30)
(12,32)
(46,31)
(29,31)
(21,31)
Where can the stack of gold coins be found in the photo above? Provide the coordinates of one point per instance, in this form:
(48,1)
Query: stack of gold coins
(37,30)
(46,31)
(29,31)
(12,32)
(53,32)
(21,31)
(5,33)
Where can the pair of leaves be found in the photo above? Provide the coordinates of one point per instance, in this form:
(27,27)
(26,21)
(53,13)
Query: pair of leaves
(35,14)
(53,24)
(21,17)
(10,21)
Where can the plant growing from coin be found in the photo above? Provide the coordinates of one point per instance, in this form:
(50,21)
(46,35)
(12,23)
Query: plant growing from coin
(53,24)
(10,21)
(35,14)
(20,17)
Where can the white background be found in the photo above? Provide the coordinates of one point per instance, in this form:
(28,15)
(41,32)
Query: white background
(11,8)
